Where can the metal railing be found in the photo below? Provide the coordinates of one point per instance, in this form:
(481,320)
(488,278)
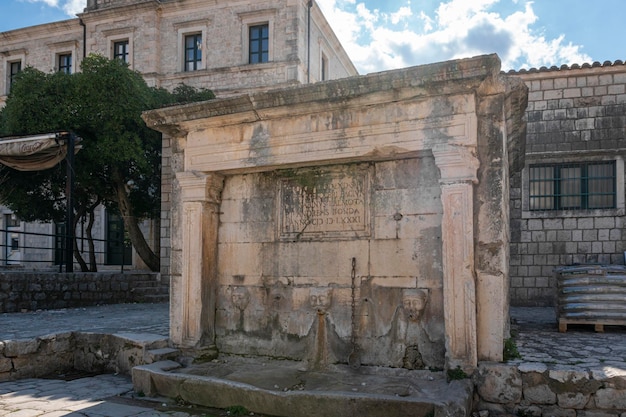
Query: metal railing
(47,251)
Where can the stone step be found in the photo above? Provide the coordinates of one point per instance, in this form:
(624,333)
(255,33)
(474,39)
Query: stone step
(141,284)
(155,298)
(150,290)
(163,354)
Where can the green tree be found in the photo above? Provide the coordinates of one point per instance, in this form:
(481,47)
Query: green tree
(119,164)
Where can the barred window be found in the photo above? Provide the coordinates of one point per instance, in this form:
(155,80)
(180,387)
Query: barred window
(579,186)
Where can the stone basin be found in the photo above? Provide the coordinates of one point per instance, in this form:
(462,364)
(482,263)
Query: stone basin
(287,388)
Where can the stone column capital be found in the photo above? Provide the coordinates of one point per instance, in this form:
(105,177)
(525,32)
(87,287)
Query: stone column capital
(200,186)
(457,163)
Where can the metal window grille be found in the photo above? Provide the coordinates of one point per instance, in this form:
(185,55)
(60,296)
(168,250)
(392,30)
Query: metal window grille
(193,52)
(65,63)
(259,44)
(120,50)
(580,186)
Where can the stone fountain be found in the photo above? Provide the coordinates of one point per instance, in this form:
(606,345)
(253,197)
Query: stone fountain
(354,227)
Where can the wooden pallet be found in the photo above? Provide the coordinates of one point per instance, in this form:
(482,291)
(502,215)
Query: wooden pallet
(598,324)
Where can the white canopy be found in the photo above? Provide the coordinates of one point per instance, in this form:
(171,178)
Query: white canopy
(34,153)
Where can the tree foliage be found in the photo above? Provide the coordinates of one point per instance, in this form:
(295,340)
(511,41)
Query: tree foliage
(119,164)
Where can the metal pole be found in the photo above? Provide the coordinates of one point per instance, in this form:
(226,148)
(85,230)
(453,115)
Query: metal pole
(69,214)
(308,40)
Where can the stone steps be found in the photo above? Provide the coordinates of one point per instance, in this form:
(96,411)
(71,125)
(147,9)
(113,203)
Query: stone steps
(151,291)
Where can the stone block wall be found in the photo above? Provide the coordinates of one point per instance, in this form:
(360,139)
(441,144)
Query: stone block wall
(40,290)
(574,115)
(537,390)
(88,352)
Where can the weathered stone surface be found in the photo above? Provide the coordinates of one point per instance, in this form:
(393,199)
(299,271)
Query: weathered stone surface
(5,365)
(595,413)
(532,367)
(15,348)
(557,412)
(611,399)
(499,383)
(539,394)
(568,375)
(576,400)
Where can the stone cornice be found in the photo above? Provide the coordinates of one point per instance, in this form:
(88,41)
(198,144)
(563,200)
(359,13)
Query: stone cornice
(421,81)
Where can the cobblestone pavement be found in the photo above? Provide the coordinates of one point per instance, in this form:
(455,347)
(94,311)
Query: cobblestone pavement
(93,396)
(537,338)
(96,396)
(114,318)
(580,348)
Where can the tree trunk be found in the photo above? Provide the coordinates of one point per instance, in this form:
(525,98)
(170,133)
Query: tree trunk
(92,249)
(77,255)
(132,227)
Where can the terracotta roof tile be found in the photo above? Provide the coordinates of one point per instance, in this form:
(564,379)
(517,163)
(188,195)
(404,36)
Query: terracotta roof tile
(565,67)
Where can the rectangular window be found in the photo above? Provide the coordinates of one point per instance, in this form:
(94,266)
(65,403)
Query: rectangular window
(12,220)
(14,69)
(579,186)
(193,52)
(65,63)
(259,43)
(120,50)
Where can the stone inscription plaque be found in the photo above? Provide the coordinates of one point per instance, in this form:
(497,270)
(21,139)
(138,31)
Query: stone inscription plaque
(324,204)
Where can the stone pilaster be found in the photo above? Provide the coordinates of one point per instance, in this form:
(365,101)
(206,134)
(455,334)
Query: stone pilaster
(193,299)
(458,167)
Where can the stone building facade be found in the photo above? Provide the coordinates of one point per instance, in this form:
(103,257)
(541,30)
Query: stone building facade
(233,47)
(567,205)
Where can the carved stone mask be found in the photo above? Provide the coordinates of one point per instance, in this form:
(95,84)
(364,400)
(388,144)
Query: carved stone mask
(320,299)
(240,297)
(414,302)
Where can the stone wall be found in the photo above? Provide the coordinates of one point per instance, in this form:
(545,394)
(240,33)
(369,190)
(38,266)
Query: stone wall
(574,115)
(285,263)
(540,390)
(61,353)
(41,291)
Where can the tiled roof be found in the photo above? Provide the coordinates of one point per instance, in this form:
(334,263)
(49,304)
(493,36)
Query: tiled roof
(567,67)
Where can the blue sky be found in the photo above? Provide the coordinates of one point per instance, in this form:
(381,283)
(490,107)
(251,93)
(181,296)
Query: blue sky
(388,34)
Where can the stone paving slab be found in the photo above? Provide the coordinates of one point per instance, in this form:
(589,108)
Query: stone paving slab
(98,396)
(540,343)
(113,318)
(602,355)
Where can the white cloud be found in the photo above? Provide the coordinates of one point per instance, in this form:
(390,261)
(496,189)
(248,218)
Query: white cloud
(70,7)
(51,3)
(455,29)
(402,14)
(73,7)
